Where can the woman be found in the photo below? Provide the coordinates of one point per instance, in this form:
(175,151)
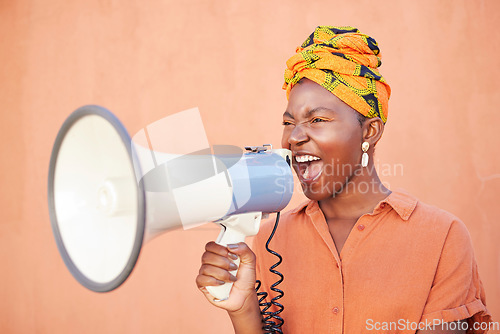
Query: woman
(357,257)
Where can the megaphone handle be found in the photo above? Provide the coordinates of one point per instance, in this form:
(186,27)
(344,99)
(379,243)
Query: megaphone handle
(234,229)
(227,236)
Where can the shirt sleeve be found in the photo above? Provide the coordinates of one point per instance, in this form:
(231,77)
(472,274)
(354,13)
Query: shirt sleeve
(457,292)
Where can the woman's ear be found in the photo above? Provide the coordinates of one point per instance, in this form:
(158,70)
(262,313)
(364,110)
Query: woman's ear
(372,130)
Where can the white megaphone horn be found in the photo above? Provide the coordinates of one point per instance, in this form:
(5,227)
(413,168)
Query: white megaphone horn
(108,194)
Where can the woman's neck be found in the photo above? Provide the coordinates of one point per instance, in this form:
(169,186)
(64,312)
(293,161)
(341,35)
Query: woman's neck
(359,196)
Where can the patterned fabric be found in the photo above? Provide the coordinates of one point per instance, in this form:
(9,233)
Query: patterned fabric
(344,61)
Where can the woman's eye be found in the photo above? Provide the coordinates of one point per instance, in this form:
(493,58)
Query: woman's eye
(317,120)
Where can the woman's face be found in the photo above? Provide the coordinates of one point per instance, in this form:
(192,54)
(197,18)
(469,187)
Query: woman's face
(325,138)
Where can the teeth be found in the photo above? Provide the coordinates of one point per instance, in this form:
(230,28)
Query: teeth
(305,158)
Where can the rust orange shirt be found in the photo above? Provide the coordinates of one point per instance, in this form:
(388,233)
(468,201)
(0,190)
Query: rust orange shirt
(403,265)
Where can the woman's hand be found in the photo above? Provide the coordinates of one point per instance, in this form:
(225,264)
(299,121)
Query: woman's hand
(216,264)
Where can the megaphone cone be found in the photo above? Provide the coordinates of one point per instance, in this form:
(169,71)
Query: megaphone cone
(105,199)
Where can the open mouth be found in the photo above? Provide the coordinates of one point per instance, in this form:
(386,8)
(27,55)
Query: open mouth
(309,167)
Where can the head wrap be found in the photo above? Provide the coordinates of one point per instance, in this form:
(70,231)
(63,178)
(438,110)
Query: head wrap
(345,62)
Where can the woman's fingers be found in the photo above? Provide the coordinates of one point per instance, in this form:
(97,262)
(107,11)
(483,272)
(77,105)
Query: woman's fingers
(216,267)
(215,248)
(203,281)
(218,261)
(216,264)
(244,252)
(217,273)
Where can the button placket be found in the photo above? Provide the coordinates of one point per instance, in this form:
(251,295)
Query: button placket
(336,318)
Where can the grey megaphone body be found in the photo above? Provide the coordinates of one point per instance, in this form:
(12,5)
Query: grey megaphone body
(108,194)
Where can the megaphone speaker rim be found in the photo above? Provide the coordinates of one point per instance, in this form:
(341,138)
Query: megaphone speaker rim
(141,202)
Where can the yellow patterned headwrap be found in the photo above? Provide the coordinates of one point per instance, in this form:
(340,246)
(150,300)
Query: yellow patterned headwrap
(345,62)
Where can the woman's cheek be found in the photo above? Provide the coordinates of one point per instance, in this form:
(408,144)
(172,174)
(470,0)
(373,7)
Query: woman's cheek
(284,139)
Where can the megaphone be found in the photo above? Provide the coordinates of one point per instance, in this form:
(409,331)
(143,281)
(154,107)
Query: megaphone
(108,195)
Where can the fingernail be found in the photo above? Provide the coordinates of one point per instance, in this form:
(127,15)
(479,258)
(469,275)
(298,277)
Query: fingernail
(232,278)
(233,266)
(233,246)
(220,282)
(232,256)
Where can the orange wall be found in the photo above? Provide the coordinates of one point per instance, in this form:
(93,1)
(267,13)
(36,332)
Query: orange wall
(147,59)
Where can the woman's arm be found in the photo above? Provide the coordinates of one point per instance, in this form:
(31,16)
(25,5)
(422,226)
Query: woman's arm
(248,320)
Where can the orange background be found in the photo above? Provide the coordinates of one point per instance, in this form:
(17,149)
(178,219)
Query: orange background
(144,60)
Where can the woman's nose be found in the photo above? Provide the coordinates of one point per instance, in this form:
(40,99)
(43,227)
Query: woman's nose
(298,135)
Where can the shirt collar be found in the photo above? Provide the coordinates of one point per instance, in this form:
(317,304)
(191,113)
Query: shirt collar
(302,206)
(402,202)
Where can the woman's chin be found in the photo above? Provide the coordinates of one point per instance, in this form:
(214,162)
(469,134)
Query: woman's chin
(315,191)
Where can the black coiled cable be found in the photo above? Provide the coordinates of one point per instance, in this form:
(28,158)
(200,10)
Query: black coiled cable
(272,322)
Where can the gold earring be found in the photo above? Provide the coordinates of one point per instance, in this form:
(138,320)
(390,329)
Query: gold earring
(364,157)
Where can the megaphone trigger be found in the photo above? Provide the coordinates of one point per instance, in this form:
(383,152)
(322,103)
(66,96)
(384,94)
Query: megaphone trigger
(234,229)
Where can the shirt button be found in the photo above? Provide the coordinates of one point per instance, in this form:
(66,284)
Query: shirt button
(361,227)
(382,205)
(335,310)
